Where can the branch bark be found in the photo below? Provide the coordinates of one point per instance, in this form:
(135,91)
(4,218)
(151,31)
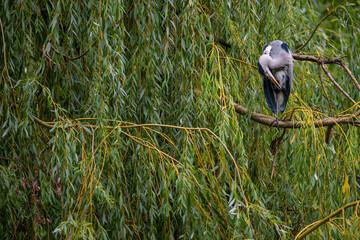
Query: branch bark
(316,59)
(270,121)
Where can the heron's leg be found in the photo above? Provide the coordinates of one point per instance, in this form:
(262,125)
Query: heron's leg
(275,121)
(276,98)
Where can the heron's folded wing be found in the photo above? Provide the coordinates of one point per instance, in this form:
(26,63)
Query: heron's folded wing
(269,94)
(286,90)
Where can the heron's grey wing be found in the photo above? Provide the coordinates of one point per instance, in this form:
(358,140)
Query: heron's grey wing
(288,84)
(269,93)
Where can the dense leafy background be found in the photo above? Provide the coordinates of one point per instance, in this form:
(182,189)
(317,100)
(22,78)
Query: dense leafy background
(158,62)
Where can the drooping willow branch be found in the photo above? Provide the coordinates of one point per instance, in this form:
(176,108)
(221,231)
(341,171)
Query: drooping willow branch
(75,122)
(317,224)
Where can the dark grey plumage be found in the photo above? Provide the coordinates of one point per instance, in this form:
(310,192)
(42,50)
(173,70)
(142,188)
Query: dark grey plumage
(275,66)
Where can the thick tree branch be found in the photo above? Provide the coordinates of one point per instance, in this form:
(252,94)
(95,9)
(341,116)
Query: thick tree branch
(270,121)
(316,59)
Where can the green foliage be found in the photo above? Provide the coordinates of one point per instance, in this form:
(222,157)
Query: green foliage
(96,72)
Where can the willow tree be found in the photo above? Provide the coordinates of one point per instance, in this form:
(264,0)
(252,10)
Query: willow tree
(120,119)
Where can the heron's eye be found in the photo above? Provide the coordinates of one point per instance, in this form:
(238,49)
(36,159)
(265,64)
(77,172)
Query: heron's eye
(267,50)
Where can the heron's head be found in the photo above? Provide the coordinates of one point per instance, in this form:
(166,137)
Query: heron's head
(264,65)
(267,50)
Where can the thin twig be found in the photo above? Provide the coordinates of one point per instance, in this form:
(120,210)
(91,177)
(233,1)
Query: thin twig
(325,92)
(72,58)
(350,74)
(328,130)
(317,26)
(322,63)
(46,56)
(336,84)
(8,159)
(150,146)
(125,14)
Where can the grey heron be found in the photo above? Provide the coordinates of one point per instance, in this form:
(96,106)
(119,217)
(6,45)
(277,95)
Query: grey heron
(276,68)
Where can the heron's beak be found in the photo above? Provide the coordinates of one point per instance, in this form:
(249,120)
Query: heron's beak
(269,75)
